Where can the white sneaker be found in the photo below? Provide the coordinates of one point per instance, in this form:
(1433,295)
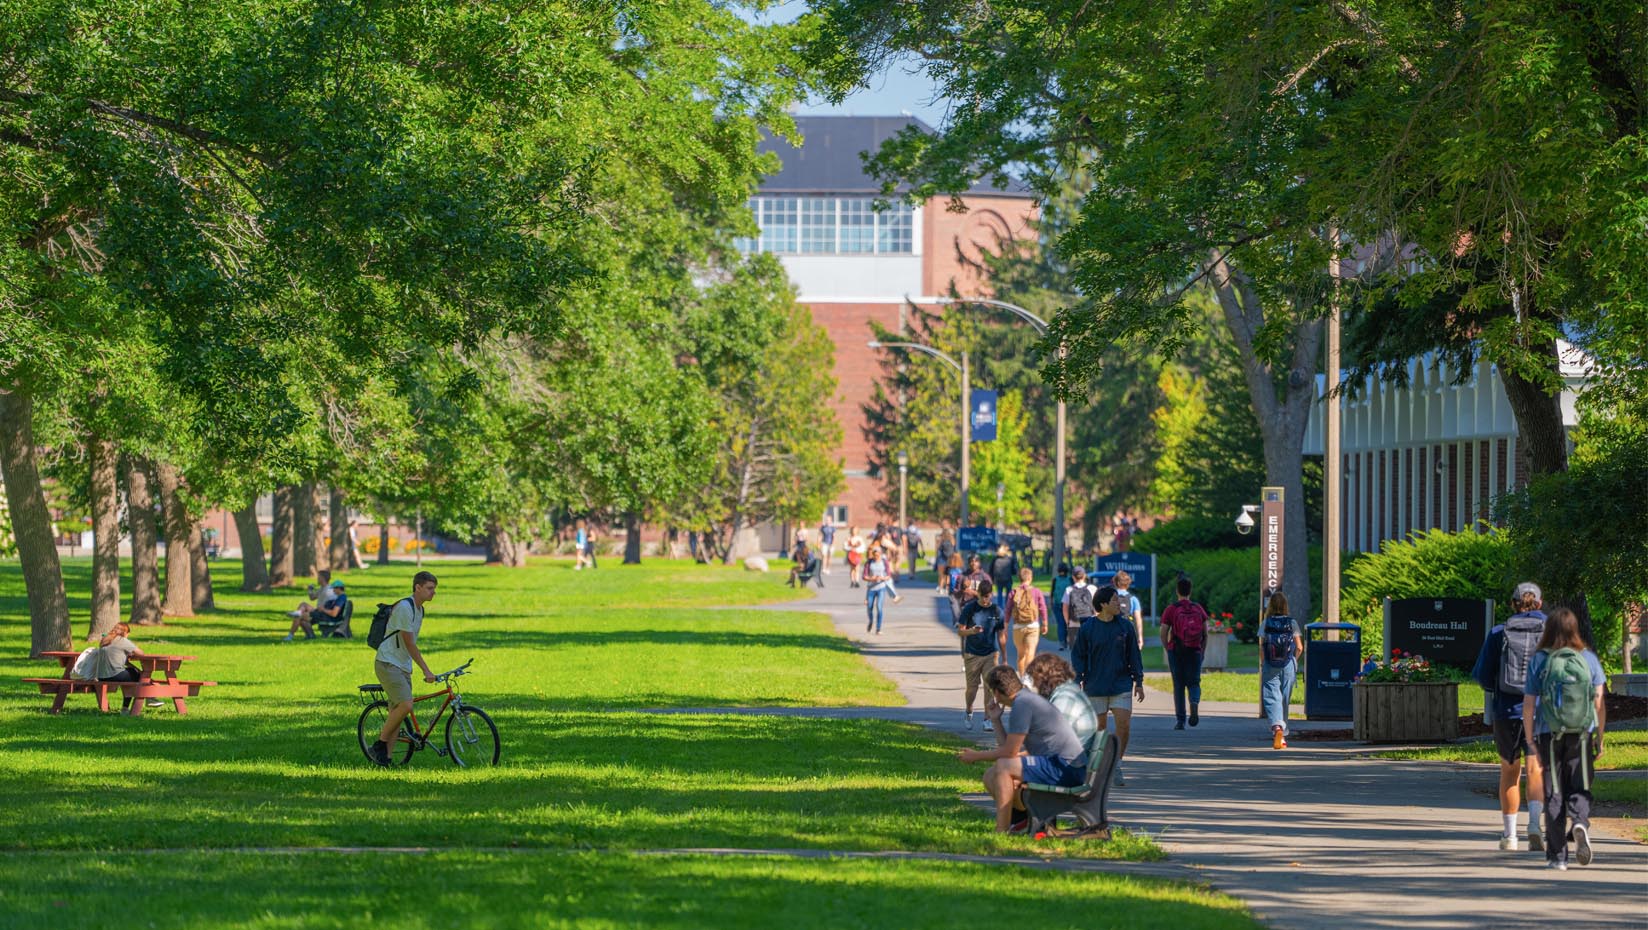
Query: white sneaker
(967,721)
(1582,845)
(1557,864)
(154,702)
(1510,844)
(987,727)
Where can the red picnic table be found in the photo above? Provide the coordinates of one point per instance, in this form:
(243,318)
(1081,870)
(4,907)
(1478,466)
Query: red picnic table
(146,686)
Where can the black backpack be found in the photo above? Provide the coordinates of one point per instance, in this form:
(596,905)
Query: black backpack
(380,622)
(1278,643)
(1081,602)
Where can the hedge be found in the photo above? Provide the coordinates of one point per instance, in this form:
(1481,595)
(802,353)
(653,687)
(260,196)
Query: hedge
(1428,564)
(1227,581)
(1192,534)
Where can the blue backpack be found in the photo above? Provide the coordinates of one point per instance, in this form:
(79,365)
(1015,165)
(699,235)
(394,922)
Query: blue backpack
(1277,642)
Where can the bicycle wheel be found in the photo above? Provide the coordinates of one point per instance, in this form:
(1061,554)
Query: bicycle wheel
(471,737)
(371,724)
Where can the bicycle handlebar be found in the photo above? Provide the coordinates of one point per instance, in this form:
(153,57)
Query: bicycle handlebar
(460,670)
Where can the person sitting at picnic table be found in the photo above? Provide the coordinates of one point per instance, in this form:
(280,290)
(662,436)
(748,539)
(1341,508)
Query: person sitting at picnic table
(114,657)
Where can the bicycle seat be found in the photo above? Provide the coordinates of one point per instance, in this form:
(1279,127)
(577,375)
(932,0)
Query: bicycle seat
(371,687)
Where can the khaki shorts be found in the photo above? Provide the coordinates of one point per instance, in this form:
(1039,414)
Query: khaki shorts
(975,667)
(396,681)
(1101,703)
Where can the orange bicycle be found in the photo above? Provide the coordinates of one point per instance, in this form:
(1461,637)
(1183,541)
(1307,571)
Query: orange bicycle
(471,737)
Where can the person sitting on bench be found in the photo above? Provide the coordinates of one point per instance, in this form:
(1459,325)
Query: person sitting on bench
(806,566)
(1053,752)
(333,617)
(304,617)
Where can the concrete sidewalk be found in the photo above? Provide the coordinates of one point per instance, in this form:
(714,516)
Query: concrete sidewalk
(1314,836)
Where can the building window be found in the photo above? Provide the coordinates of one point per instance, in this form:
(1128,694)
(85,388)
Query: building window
(830,226)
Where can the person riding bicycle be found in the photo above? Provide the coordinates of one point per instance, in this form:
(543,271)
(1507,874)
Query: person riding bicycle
(395,657)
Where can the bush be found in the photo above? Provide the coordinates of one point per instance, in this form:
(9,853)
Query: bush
(1227,581)
(1192,534)
(1433,564)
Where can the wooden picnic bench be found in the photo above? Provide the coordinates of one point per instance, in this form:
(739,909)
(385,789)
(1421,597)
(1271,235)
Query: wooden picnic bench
(147,686)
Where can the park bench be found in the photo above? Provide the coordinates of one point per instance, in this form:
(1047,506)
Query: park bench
(1087,800)
(170,687)
(334,626)
(810,572)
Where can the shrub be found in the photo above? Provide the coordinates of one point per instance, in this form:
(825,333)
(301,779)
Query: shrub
(1432,564)
(1187,534)
(1227,581)
(1415,669)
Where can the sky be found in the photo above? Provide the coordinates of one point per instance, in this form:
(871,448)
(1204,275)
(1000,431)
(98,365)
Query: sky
(901,88)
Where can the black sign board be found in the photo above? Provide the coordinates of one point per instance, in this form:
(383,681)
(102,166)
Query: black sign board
(1445,630)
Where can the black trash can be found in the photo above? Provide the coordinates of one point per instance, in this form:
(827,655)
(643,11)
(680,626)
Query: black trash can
(1330,667)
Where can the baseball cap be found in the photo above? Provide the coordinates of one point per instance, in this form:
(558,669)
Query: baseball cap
(1527,587)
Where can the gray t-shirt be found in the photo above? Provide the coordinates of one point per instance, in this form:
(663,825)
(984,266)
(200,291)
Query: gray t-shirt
(1046,732)
(406,617)
(112,659)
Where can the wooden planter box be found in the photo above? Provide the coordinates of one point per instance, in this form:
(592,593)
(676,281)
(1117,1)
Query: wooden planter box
(1216,652)
(1390,712)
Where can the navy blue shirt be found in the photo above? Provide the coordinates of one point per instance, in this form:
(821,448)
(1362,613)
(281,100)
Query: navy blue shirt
(1497,704)
(1106,657)
(988,618)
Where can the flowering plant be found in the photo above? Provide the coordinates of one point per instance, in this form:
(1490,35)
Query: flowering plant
(1221,623)
(1408,668)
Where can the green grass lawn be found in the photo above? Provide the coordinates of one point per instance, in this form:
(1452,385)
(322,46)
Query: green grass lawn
(566,662)
(1623,750)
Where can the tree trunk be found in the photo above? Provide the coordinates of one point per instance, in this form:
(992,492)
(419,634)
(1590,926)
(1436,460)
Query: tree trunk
(1281,404)
(281,538)
(317,527)
(180,598)
(632,538)
(140,517)
(339,550)
(502,548)
(200,571)
(31,527)
(303,531)
(254,574)
(1542,442)
(383,542)
(105,493)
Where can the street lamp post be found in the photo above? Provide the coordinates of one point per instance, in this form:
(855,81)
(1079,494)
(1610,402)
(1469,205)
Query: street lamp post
(966,411)
(1001,511)
(903,472)
(1040,326)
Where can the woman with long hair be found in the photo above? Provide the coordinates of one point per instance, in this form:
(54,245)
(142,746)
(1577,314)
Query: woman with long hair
(1054,679)
(878,574)
(1280,642)
(855,556)
(1563,717)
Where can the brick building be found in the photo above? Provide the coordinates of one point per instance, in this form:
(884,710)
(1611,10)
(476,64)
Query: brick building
(852,264)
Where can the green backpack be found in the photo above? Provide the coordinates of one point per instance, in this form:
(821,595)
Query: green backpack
(1567,705)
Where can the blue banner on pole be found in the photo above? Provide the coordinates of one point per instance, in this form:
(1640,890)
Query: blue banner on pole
(976,538)
(984,415)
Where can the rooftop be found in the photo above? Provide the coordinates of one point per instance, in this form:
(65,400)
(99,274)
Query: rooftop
(830,160)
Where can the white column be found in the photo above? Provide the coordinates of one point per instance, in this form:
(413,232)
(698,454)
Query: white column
(1460,490)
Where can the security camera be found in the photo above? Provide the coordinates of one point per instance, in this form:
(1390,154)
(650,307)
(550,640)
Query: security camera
(1244,520)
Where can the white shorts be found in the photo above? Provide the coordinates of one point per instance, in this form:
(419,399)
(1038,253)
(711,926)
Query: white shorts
(1101,703)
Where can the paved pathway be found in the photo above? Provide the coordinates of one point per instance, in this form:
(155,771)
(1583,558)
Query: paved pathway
(1316,836)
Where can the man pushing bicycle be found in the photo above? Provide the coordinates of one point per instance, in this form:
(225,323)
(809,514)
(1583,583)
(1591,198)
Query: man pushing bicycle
(397,650)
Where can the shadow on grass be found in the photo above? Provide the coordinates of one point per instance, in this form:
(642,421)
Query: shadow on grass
(594,890)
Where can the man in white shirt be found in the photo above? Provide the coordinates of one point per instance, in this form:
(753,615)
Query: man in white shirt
(396,654)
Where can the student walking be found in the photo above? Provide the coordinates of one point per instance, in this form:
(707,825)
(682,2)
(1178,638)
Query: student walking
(1027,610)
(583,544)
(1502,671)
(1280,643)
(1132,610)
(1184,634)
(1004,568)
(1110,668)
(983,637)
(856,550)
(943,550)
(826,542)
(1564,717)
(878,574)
(395,657)
(1061,584)
(1076,604)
